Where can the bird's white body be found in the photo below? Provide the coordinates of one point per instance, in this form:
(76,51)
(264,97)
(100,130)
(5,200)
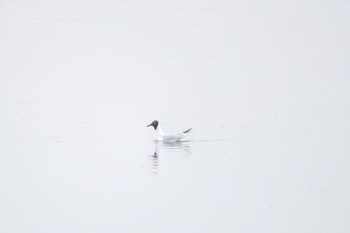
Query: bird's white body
(162,136)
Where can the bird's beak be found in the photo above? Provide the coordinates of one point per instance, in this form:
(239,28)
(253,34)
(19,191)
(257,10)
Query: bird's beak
(149,125)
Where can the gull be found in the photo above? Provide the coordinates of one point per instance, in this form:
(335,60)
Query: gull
(165,137)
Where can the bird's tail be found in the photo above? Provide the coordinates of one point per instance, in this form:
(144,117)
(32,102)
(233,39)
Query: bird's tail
(187,131)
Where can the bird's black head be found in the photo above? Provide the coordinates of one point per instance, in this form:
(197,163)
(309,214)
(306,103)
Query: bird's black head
(154,124)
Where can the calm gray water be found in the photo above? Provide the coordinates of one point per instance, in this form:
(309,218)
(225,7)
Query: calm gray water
(265,88)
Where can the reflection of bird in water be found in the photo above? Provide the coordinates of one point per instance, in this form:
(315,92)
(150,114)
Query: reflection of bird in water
(166,148)
(182,147)
(155,162)
(162,136)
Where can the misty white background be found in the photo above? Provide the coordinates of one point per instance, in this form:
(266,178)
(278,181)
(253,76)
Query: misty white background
(264,85)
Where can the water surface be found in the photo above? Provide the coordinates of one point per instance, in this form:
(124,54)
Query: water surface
(264,87)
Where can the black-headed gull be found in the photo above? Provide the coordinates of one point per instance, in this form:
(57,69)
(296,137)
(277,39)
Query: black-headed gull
(161,136)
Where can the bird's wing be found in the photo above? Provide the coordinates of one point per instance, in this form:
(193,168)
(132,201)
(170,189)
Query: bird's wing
(187,131)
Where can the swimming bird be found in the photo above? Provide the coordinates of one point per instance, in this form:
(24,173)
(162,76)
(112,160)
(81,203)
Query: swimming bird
(162,136)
